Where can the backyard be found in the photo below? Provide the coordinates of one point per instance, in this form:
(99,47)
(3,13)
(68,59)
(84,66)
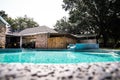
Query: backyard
(60,40)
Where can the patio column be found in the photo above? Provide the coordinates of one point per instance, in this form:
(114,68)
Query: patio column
(20,41)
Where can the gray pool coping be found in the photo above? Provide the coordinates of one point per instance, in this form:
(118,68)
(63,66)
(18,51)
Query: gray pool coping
(79,71)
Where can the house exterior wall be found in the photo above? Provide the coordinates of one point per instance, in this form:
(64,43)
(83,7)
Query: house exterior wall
(71,40)
(2,36)
(41,41)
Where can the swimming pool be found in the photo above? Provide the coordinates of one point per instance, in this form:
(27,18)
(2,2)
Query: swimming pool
(57,56)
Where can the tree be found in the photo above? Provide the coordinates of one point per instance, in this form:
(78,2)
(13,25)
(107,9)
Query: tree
(19,23)
(63,26)
(3,14)
(94,16)
(115,31)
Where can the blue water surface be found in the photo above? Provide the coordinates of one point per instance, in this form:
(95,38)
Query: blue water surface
(57,56)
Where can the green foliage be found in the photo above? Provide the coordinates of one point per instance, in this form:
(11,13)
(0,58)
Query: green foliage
(63,26)
(2,14)
(19,23)
(100,17)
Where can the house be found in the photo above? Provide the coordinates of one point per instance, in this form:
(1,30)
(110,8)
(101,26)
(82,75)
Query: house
(39,37)
(4,29)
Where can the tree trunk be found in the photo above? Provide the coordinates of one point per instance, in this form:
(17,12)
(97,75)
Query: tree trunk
(105,40)
(116,41)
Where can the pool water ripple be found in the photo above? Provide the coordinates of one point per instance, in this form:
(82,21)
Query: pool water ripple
(32,56)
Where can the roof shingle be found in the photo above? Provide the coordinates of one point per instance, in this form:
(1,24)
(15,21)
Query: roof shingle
(37,30)
(33,31)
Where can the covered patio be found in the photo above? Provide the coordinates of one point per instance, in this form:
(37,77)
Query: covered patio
(17,41)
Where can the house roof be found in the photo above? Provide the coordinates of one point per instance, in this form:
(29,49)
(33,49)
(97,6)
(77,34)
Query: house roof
(34,31)
(61,34)
(85,36)
(4,22)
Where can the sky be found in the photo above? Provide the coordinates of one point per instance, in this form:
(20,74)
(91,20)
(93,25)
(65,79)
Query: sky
(44,12)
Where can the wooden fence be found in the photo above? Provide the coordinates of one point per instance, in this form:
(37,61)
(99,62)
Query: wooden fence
(59,42)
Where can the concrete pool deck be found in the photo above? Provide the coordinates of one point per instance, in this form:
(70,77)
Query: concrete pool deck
(81,71)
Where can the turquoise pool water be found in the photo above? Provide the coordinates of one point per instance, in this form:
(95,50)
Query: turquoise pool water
(57,56)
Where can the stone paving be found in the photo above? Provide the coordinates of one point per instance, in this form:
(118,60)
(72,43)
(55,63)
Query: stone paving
(82,71)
